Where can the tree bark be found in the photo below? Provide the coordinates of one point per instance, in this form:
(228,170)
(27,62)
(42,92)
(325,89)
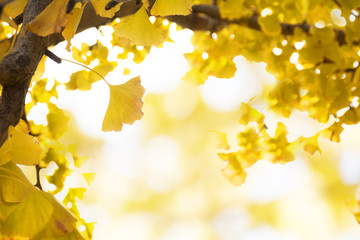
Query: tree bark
(18,67)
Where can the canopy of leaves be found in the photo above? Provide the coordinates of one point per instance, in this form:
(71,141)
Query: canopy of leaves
(312,52)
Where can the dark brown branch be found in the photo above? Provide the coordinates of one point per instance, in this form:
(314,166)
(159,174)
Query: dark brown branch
(52,56)
(207,18)
(209,10)
(18,67)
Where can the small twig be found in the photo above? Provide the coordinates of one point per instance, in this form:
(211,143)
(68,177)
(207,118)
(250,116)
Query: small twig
(337,3)
(56,59)
(38,183)
(19,19)
(52,56)
(353,71)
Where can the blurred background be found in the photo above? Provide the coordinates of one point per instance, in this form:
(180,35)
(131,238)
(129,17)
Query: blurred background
(160,178)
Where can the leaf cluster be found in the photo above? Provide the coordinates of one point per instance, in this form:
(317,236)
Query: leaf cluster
(312,54)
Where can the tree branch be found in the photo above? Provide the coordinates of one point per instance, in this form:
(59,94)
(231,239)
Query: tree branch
(207,18)
(18,67)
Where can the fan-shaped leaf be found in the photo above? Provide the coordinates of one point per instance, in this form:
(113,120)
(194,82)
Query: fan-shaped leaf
(124,106)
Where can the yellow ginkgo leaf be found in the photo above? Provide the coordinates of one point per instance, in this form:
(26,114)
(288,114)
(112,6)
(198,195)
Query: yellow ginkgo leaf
(221,140)
(171,7)
(230,9)
(50,20)
(40,70)
(99,6)
(15,8)
(139,30)
(250,114)
(6,18)
(146,4)
(73,24)
(89,177)
(124,106)
(30,217)
(61,222)
(20,147)
(270,24)
(14,186)
(3,150)
(234,171)
(311,144)
(57,120)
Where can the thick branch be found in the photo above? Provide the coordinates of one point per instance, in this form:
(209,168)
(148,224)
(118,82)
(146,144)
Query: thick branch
(18,67)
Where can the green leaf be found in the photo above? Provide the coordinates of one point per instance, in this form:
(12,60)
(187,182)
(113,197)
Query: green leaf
(124,106)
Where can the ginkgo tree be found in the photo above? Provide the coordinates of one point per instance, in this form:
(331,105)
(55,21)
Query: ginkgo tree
(312,52)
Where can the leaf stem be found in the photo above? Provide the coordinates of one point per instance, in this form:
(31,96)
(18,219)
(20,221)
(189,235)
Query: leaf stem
(83,65)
